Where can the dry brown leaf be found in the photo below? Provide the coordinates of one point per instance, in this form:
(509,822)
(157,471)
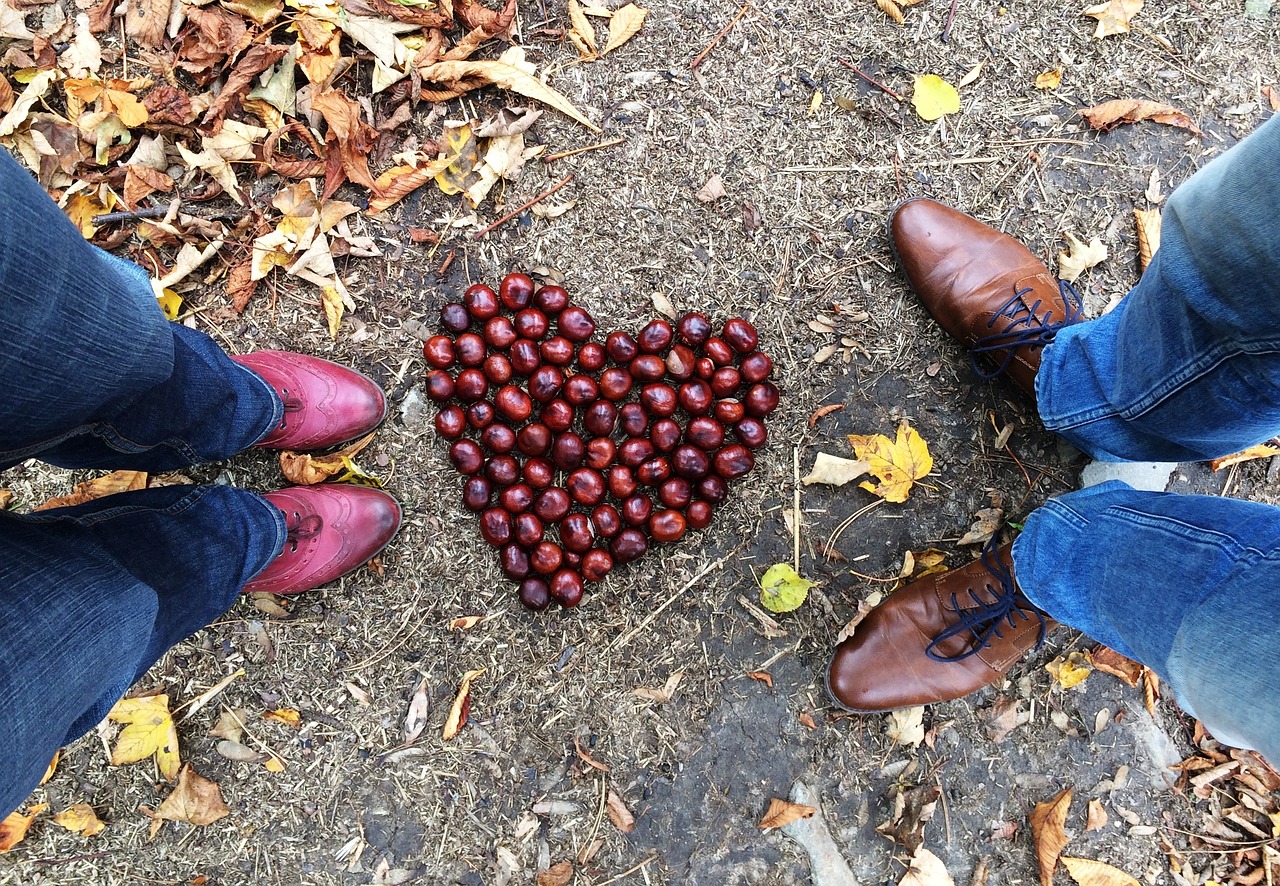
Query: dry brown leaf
(1149,223)
(906,726)
(142,181)
(807,721)
(1262,450)
(461,707)
(287,716)
(349,139)
(1088,872)
(1150,690)
(619,814)
(926,870)
(891,9)
(1107,660)
(98,487)
(1004,716)
(822,412)
(763,676)
(582,29)
(230,725)
(1270,93)
(196,800)
(558,874)
(783,812)
(1132,110)
(257,59)
(14,826)
(587,758)
(666,693)
(1096,818)
(1113,17)
(1048,829)
(145,20)
(465,622)
(986,522)
(1080,258)
(832,470)
(305,469)
(506,76)
(663,305)
(415,719)
(712,191)
(6,95)
(80,818)
(623,25)
(53,766)
(398,182)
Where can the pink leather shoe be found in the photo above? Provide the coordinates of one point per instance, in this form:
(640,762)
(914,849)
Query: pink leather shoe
(333,529)
(324,404)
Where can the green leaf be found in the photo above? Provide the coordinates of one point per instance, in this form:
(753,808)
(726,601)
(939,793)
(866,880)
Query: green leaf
(782,589)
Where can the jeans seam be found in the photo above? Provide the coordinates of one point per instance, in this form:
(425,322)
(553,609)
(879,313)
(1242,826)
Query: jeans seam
(182,504)
(1183,529)
(113,438)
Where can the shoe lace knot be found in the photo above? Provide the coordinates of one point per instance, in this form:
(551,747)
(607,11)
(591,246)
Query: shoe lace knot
(983,620)
(291,403)
(299,528)
(1025,325)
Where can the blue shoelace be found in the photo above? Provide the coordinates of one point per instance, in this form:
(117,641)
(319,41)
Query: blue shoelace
(1024,327)
(986,621)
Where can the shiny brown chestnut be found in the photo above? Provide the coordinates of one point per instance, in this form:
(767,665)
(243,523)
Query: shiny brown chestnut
(497,368)
(455,317)
(694,328)
(729,412)
(516,499)
(676,493)
(664,435)
(551,299)
(498,438)
(655,337)
(648,367)
(532,324)
(667,526)
(725,382)
(592,357)
(440,385)
(712,488)
(451,422)
(705,433)
(546,557)
(567,451)
(622,481)
(438,351)
(534,439)
(557,350)
(538,472)
(733,462)
(705,368)
(681,363)
(751,433)
(545,383)
(471,385)
(600,453)
(566,588)
(633,419)
(755,367)
(761,399)
(535,594)
(575,324)
(615,383)
(514,561)
(580,390)
(596,565)
(481,414)
(695,397)
(600,418)
(740,335)
(628,545)
(515,291)
(502,470)
(551,505)
(470,349)
(528,530)
(637,509)
(621,347)
(499,332)
(606,520)
(513,404)
(690,462)
(659,400)
(719,351)
(586,487)
(495,526)
(654,472)
(476,493)
(572,560)
(699,514)
(575,533)
(635,452)
(557,415)
(481,302)
(467,456)
(524,357)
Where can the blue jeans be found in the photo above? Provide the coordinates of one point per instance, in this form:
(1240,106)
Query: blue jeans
(1187,367)
(95,377)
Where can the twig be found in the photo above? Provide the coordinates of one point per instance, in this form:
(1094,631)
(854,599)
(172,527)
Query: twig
(560,155)
(876,83)
(448,260)
(631,635)
(523,206)
(205,697)
(693,66)
(795,510)
(627,873)
(108,218)
(951,18)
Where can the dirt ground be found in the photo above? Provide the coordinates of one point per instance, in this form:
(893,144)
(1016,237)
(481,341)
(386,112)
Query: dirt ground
(357,806)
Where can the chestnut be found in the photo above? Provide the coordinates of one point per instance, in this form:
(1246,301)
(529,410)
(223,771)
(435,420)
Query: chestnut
(705,433)
(575,324)
(628,545)
(648,367)
(470,349)
(503,470)
(637,509)
(693,328)
(755,367)
(586,487)
(751,433)
(733,461)
(513,404)
(466,456)
(695,397)
(654,472)
(451,422)
(498,438)
(575,533)
(524,356)
(664,435)
(481,302)
(600,418)
(705,368)
(600,453)
(551,504)
(528,531)
(681,363)
(621,347)
(538,472)
(440,385)
(592,356)
(762,399)
(719,351)
(634,419)
(545,558)
(517,499)
(699,514)
(534,439)
(572,560)
(580,390)
(655,337)
(497,368)
(532,324)
(535,594)
(551,299)
(568,451)
(471,385)
(729,412)
(480,414)
(635,452)
(514,562)
(675,493)
(499,333)
(606,520)
(713,489)
(495,526)
(659,400)
(725,382)
(566,588)
(515,291)
(557,350)
(615,383)
(557,415)
(622,481)
(690,462)
(438,351)
(596,565)
(667,526)
(545,383)
(740,335)
(455,317)
(476,493)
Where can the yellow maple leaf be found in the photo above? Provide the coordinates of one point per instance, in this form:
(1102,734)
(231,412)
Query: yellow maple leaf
(13,827)
(898,464)
(1069,670)
(80,819)
(934,97)
(1113,17)
(148,731)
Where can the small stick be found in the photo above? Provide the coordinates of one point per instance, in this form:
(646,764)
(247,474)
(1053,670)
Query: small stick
(951,18)
(876,83)
(204,698)
(795,513)
(560,155)
(523,206)
(629,871)
(448,260)
(644,624)
(693,66)
(107,218)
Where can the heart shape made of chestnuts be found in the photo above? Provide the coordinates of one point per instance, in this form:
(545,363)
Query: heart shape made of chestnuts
(566,443)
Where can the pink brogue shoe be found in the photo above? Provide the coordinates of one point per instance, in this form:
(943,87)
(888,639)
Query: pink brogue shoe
(324,404)
(332,529)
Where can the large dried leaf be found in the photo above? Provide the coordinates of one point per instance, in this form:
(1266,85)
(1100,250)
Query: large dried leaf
(398,182)
(349,139)
(145,20)
(619,815)
(898,464)
(1113,17)
(1088,872)
(832,470)
(1149,223)
(1080,257)
(926,870)
(34,91)
(507,76)
(196,800)
(1107,660)
(14,826)
(256,60)
(1048,830)
(783,812)
(623,25)
(906,726)
(148,731)
(1132,110)
(581,31)
(305,469)
(98,487)
(559,874)
(80,818)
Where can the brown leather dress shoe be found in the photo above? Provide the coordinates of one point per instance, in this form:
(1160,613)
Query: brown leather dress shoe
(983,287)
(938,638)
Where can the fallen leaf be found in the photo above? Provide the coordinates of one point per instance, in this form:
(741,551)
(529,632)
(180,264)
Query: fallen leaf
(783,812)
(912,810)
(1107,660)
(1270,93)
(145,20)
(288,716)
(1262,450)
(1132,110)
(1004,716)
(415,719)
(762,676)
(906,726)
(80,819)
(712,191)
(934,97)
(1113,17)
(623,25)
(196,800)
(581,31)
(663,695)
(553,210)
(782,589)
(587,758)
(807,721)
(148,731)
(1149,223)
(926,870)
(558,874)
(465,622)
(505,74)
(461,707)
(98,487)
(53,764)
(985,524)
(820,413)
(974,73)
(891,9)
(14,826)
(1049,79)
(897,464)
(233,750)
(833,470)
(918,564)
(1069,670)
(1087,872)
(752,220)
(619,814)
(1048,830)
(1150,690)
(6,95)
(230,725)
(1080,258)
(305,469)
(1096,818)
(34,91)
(864,609)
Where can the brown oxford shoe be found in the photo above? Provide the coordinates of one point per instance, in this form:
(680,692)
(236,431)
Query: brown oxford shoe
(938,638)
(983,287)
